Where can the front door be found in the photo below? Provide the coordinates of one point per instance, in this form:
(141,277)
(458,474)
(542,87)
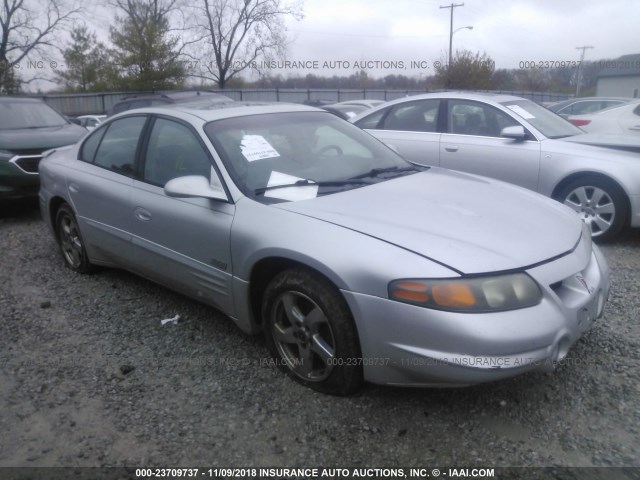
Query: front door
(473,144)
(181,242)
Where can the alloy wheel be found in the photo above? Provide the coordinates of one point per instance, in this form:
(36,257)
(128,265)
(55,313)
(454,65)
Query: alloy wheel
(303,336)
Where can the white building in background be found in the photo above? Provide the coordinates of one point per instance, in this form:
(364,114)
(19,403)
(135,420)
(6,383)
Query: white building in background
(620,77)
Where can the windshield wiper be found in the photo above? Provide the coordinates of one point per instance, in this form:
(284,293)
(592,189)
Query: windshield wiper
(374,172)
(306,183)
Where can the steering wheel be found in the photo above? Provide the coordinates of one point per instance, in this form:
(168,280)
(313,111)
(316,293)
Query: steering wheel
(327,148)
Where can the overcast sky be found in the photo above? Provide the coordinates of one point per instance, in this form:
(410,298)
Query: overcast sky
(510,31)
(388,35)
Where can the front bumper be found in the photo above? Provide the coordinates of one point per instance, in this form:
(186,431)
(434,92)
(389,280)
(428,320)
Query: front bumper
(409,345)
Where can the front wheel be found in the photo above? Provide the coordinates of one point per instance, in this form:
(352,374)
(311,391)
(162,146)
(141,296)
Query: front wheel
(310,332)
(70,240)
(599,202)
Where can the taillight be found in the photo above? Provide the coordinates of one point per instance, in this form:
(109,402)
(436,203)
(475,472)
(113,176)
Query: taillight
(579,122)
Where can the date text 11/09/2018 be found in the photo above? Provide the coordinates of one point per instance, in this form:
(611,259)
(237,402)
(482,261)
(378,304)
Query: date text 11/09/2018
(313,472)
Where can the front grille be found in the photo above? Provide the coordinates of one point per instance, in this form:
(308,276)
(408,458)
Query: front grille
(28,164)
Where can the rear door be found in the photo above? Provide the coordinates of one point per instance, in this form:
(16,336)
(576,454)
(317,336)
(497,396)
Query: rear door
(100,187)
(410,128)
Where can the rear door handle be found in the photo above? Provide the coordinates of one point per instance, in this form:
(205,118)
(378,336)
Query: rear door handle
(142,214)
(451,148)
(74,188)
(636,127)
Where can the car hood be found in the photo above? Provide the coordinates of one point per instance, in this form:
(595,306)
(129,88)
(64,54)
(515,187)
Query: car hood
(40,138)
(620,142)
(468,223)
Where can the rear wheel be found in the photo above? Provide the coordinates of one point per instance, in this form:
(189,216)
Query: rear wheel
(70,240)
(311,333)
(599,202)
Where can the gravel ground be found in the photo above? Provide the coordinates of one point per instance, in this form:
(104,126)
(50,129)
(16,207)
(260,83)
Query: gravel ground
(90,377)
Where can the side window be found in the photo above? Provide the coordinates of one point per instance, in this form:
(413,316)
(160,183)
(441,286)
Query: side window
(174,151)
(609,104)
(139,104)
(587,107)
(420,116)
(117,150)
(472,118)
(88,151)
(371,122)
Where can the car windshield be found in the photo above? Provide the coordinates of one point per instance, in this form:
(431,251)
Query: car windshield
(295,156)
(18,115)
(548,123)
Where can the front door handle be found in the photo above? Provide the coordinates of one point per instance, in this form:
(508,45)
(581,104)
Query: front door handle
(451,148)
(142,214)
(636,127)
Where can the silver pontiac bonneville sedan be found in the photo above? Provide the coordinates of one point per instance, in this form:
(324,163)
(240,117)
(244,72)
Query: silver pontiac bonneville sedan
(356,265)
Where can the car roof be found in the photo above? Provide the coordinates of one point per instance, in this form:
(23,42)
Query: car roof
(482,96)
(209,111)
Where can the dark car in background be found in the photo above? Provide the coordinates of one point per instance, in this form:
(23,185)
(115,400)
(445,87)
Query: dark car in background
(28,127)
(162,99)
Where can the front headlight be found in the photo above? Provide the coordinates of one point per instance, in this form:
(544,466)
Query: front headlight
(469,295)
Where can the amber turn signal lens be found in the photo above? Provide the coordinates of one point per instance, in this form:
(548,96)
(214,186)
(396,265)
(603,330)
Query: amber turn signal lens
(457,295)
(411,291)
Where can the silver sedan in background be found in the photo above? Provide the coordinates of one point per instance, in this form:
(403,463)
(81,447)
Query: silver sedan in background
(356,264)
(520,142)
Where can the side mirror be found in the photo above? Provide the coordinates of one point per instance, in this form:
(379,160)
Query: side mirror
(515,132)
(195,186)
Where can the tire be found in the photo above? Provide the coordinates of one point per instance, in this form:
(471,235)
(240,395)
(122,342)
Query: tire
(599,202)
(310,332)
(70,241)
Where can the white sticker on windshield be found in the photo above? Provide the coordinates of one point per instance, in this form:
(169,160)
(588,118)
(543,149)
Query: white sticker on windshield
(255,147)
(520,111)
(303,192)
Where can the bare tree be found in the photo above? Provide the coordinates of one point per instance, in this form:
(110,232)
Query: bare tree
(239,32)
(27,31)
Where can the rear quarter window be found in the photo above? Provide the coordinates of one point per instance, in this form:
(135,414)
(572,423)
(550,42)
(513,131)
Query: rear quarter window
(90,145)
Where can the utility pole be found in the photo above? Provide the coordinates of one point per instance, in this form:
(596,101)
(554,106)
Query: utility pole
(584,48)
(452,6)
